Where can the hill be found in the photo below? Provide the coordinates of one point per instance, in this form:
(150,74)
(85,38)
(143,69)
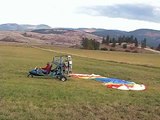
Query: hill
(18,37)
(64,38)
(61,36)
(152,36)
(23,27)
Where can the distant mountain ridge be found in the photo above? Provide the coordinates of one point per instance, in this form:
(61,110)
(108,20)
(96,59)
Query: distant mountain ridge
(22,27)
(152,36)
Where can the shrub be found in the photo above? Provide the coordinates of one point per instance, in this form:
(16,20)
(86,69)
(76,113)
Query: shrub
(105,49)
(112,49)
(124,46)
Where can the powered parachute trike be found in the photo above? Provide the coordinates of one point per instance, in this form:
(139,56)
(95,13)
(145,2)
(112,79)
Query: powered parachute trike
(60,68)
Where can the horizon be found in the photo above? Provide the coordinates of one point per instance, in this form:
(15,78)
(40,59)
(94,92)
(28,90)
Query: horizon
(120,15)
(81,27)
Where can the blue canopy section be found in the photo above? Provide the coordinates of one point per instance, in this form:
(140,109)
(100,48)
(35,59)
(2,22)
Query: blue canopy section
(114,80)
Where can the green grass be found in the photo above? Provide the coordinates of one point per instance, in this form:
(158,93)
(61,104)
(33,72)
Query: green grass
(147,59)
(42,98)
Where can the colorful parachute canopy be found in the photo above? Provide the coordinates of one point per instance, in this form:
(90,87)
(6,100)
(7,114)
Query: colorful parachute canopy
(112,82)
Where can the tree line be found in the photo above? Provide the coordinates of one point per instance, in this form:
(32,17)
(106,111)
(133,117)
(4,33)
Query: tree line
(123,39)
(90,44)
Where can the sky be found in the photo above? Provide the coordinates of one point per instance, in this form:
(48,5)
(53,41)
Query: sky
(124,15)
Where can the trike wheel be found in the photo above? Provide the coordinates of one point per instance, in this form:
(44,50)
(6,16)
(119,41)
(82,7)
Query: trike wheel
(63,78)
(29,75)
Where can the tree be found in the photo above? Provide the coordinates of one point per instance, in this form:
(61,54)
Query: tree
(124,38)
(143,43)
(84,43)
(124,46)
(158,48)
(120,40)
(96,44)
(131,39)
(136,42)
(103,40)
(107,40)
(113,42)
(90,44)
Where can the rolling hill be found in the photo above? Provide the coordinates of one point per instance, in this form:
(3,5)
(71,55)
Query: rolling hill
(74,35)
(23,27)
(152,36)
(65,38)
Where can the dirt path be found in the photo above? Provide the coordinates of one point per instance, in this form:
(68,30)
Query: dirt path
(50,50)
(149,49)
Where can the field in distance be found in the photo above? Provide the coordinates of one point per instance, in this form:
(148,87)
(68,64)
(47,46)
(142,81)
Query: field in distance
(148,59)
(40,98)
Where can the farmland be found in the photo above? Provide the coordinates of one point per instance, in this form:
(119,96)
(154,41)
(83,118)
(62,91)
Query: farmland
(23,98)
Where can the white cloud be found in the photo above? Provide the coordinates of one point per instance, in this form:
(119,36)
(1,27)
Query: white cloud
(63,13)
(128,11)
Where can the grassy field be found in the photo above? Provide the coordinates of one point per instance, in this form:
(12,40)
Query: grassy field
(43,98)
(146,59)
